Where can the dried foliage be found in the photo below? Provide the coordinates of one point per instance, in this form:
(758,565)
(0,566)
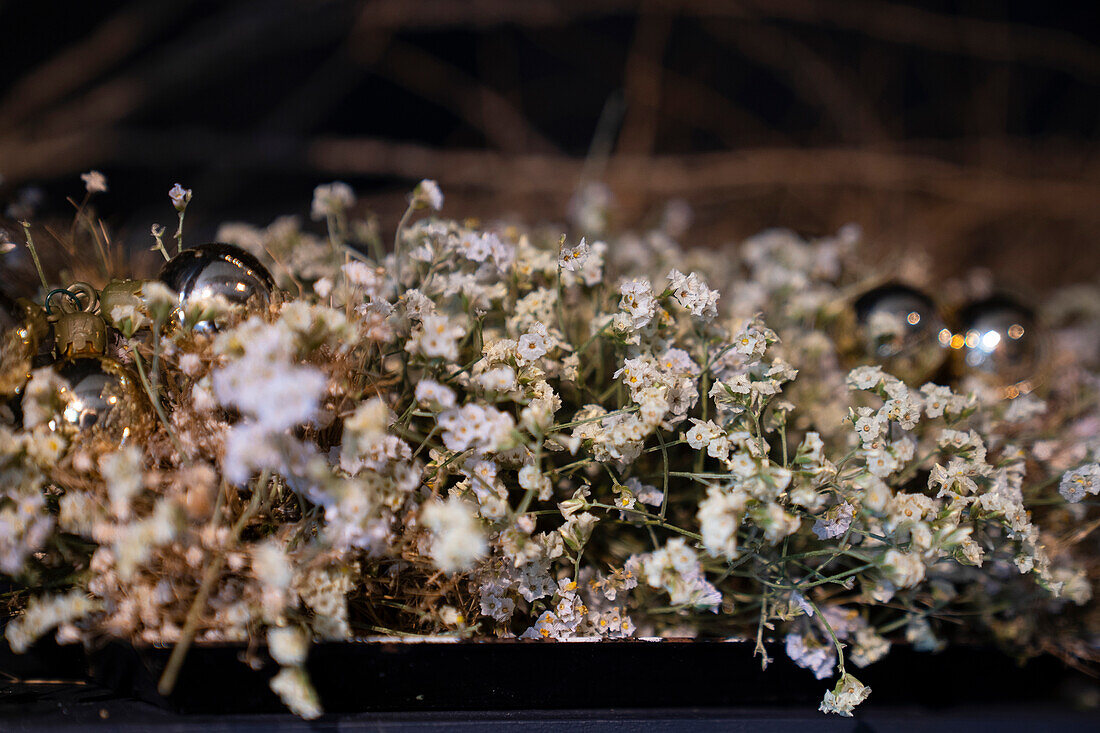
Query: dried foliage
(495,431)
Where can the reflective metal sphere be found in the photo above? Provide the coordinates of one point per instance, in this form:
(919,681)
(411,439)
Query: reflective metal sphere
(217,269)
(26,318)
(102,395)
(901,329)
(12,377)
(999,337)
(24,342)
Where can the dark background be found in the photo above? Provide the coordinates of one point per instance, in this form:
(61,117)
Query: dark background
(966,130)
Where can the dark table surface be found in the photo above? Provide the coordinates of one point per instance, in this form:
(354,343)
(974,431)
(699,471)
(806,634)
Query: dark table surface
(85,707)
(667,687)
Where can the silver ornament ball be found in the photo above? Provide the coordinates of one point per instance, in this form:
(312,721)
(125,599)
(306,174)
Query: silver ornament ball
(1000,338)
(101,394)
(217,269)
(901,328)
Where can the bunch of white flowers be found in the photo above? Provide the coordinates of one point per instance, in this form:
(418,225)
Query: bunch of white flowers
(489,433)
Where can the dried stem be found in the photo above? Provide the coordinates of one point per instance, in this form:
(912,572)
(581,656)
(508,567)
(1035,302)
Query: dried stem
(179,652)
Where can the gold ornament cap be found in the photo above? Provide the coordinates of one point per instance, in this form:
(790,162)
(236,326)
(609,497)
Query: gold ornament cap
(119,293)
(79,331)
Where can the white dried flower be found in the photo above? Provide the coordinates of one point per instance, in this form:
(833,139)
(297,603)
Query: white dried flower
(693,294)
(180,196)
(288,645)
(123,473)
(811,654)
(433,395)
(572,259)
(457,539)
(427,195)
(127,319)
(843,699)
(904,569)
(638,301)
(331,199)
(44,613)
(94,181)
(293,687)
(835,523)
(1081,481)
(720,516)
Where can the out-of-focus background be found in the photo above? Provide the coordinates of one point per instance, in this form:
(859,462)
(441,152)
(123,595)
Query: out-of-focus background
(967,130)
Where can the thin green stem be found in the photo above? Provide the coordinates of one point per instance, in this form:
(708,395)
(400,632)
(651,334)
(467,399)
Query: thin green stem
(783,440)
(158,407)
(664,473)
(397,243)
(832,634)
(179,232)
(34,256)
(646,518)
(431,433)
(563,426)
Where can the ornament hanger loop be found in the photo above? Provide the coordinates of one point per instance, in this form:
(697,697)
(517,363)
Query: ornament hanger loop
(72,299)
(88,293)
(80,294)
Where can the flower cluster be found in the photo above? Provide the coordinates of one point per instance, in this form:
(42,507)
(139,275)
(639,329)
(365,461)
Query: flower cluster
(494,433)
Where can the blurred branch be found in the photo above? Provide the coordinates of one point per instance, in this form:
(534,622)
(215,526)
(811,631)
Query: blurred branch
(63,154)
(642,79)
(679,175)
(236,35)
(816,80)
(479,106)
(684,98)
(949,33)
(886,21)
(117,38)
(661,176)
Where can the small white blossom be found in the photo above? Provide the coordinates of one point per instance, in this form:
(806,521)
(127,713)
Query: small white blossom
(94,181)
(904,569)
(278,395)
(720,516)
(533,345)
(127,319)
(457,540)
(44,613)
(865,377)
(638,302)
(811,654)
(293,687)
(123,473)
(572,259)
(433,395)
(843,699)
(331,199)
(180,196)
(498,379)
(835,523)
(436,338)
(288,645)
(427,195)
(1079,482)
(693,294)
